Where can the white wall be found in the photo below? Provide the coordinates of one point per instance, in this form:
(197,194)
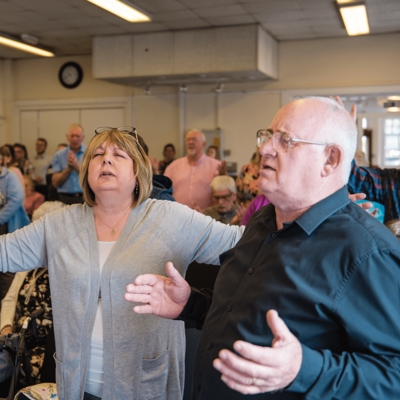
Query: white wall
(241,109)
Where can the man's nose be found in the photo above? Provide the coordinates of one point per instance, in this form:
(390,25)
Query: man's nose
(267,148)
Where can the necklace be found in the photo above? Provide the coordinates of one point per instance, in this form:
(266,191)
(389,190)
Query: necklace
(113,231)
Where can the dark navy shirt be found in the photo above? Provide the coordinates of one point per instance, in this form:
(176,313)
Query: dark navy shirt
(333,276)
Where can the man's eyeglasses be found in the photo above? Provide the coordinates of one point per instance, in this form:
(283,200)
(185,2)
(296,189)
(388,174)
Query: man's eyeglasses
(281,141)
(226,197)
(129,130)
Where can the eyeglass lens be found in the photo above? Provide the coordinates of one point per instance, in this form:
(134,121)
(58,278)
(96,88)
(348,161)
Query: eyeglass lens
(279,140)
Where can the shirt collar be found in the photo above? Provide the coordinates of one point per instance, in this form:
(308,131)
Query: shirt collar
(203,156)
(321,211)
(81,149)
(316,215)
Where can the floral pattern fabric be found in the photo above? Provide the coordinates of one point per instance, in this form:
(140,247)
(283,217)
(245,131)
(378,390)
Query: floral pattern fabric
(246,183)
(34,294)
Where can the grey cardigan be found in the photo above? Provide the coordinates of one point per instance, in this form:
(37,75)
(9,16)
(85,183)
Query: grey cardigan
(143,354)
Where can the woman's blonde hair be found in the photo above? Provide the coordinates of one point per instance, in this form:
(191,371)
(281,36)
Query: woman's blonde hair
(141,165)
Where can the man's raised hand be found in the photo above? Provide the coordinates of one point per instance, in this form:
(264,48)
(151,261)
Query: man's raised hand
(162,296)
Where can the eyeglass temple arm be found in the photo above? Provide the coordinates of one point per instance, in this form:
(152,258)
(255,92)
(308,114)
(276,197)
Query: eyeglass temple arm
(308,141)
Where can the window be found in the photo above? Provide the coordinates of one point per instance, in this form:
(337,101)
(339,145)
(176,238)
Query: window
(391,130)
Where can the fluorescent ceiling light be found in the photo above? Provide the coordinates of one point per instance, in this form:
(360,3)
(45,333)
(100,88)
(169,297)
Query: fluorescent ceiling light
(25,47)
(355,18)
(393,98)
(122,9)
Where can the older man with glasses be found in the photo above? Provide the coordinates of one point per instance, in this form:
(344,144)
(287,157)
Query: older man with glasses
(223,192)
(306,305)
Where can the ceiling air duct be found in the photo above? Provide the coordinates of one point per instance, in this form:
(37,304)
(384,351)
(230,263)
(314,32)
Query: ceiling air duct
(228,54)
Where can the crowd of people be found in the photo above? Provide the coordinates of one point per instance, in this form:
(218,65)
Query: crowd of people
(304,304)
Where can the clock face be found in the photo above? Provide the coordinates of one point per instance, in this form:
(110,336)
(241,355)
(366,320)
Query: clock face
(70,75)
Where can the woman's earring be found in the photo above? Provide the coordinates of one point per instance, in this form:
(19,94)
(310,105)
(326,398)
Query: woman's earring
(136,190)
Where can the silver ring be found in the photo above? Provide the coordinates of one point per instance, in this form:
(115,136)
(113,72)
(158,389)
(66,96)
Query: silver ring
(253,383)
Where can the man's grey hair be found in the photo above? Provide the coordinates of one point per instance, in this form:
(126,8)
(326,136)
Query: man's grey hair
(223,182)
(203,136)
(338,128)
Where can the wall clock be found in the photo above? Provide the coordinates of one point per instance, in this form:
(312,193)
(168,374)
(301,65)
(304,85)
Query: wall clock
(70,75)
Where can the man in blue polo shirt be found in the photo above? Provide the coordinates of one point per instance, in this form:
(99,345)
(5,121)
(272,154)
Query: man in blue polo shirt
(66,164)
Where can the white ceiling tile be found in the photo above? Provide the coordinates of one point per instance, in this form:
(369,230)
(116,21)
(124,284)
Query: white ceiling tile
(271,6)
(158,5)
(206,3)
(67,25)
(224,11)
(288,16)
(7,8)
(232,20)
(174,15)
(186,24)
(388,16)
(315,4)
(322,13)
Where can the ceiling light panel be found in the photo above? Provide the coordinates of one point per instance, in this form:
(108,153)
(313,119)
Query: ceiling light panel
(355,18)
(6,41)
(123,10)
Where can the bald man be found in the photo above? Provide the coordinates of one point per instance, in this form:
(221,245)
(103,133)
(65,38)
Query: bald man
(306,305)
(191,175)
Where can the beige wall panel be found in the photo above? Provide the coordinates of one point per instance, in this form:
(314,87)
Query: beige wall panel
(357,61)
(50,124)
(157,121)
(241,115)
(53,124)
(200,111)
(94,118)
(37,79)
(29,123)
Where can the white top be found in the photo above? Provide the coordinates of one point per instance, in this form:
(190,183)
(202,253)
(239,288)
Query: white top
(94,377)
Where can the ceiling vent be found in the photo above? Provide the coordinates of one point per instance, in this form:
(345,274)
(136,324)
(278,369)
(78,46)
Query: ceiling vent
(228,54)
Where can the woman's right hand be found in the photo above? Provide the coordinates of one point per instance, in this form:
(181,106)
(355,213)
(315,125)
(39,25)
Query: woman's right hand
(165,297)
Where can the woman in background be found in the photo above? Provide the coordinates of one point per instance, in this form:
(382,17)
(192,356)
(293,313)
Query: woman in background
(28,292)
(33,200)
(8,161)
(12,213)
(169,156)
(21,158)
(213,152)
(246,182)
